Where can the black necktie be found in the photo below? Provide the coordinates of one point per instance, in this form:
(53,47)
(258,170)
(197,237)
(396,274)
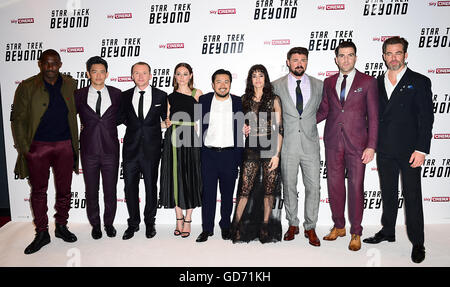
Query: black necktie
(342,95)
(141,106)
(299,95)
(99,103)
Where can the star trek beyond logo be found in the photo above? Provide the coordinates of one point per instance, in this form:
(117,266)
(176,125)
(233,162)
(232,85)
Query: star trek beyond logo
(441,104)
(170,13)
(372,199)
(434,168)
(223,44)
(275,10)
(161,78)
(385,7)
(80,77)
(65,19)
(374,69)
(120,48)
(434,37)
(20,52)
(76,202)
(328,40)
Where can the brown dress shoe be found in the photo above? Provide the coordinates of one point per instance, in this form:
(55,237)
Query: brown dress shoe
(335,233)
(355,243)
(312,236)
(290,234)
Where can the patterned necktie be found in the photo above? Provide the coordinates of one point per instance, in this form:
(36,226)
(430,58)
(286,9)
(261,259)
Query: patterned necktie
(141,106)
(342,95)
(298,93)
(99,103)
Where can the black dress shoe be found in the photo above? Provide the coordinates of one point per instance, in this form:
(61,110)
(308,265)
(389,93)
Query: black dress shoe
(40,239)
(379,237)
(204,236)
(110,231)
(96,232)
(150,231)
(62,232)
(418,253)
(226,234)
(129,233)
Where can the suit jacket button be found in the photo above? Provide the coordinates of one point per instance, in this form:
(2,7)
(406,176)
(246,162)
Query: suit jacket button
(342,110)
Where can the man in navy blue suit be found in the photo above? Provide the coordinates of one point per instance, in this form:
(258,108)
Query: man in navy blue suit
(221,152)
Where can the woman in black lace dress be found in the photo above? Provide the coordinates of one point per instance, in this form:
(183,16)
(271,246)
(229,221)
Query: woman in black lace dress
(180,177)
(258,213)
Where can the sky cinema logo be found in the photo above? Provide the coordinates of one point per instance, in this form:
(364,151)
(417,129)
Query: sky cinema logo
(23,21)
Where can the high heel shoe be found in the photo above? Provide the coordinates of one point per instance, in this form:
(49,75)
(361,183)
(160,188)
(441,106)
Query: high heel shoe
(177,232)
(185,234)
(264,233)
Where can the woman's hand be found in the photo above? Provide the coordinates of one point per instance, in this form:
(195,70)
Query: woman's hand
(274,163)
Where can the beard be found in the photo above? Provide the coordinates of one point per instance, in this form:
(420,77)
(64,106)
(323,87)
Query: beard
(221,95)
(297,73)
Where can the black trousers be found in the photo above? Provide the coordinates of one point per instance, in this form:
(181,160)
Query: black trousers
(132,171)
(389,169)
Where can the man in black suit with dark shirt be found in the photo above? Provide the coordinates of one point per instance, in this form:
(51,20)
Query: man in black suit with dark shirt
(404,138)
(143,109)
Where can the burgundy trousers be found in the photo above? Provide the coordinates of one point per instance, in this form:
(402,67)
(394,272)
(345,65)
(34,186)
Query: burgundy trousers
(41,157)
(343,156)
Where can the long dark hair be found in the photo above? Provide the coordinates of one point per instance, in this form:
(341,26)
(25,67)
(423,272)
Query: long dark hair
(268,94)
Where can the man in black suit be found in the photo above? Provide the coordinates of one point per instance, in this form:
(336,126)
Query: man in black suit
(404,137)
(143,109)
(221,152)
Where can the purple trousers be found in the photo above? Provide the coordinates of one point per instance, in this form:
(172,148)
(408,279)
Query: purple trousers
(108,166)
(340,157)
(41,157)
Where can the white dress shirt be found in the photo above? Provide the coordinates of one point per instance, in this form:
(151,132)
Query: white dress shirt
(348,83)
(305,87)
(220,130)
(147,100)
(387,83)
(93,96)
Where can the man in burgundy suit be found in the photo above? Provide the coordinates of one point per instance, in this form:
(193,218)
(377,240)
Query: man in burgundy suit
(98,107)
(350,106)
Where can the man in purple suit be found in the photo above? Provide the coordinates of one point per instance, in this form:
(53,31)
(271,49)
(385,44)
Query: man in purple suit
(98,107)
(350,106)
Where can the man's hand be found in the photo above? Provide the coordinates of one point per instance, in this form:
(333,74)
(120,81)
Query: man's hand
(416,159)
(367,155)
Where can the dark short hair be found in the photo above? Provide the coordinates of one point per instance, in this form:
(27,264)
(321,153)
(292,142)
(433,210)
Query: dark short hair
(297,50)
(49,52)
(141,63)
(345,44)
(96,60)
(396,40)
(221,72)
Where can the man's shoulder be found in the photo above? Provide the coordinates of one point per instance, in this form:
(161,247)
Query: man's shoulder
(113,89)
(280,80)
(205,97)
(158,91)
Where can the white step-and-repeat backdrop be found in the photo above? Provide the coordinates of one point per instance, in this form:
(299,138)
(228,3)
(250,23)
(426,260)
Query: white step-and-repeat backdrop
(233,35)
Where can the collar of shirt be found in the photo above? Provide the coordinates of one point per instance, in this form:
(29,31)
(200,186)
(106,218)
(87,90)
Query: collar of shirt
(387,83)
(305,87)
(348,83)
(147,99)
(93,96)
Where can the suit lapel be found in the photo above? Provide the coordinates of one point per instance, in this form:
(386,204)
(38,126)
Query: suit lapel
(397,90)
(351,93)
(332,86)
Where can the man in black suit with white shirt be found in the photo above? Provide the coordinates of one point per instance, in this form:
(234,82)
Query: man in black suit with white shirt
(404,138)
(144,108)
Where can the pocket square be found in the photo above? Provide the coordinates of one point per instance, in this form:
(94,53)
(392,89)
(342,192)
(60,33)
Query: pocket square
(358,90)
(157,105)
(410,87)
